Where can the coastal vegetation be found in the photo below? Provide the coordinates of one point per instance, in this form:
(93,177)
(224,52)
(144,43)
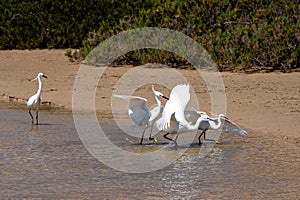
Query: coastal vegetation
(240,35)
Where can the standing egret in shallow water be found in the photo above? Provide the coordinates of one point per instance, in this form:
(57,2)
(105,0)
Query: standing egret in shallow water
(35,100)
(139,112)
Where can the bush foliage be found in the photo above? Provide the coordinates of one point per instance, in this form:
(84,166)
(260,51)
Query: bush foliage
(247,35)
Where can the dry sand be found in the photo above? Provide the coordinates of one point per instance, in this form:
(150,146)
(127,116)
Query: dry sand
(268,103)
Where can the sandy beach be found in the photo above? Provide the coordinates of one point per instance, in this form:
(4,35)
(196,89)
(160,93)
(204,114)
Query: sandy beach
(268,103)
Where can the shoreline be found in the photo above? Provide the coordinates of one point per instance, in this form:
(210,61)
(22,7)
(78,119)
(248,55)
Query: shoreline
(268,103)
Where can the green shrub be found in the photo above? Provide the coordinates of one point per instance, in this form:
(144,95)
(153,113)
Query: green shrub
(247,35)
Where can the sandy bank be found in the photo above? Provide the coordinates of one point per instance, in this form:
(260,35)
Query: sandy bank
(268,103)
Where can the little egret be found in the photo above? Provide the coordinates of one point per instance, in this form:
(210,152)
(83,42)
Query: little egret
(173,120)
(35,100)
(139,112)
(221,123)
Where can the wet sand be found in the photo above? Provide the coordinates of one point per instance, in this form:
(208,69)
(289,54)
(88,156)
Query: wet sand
(268,103)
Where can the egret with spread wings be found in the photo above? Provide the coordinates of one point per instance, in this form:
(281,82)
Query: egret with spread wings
(139,112)
(219,123)
(173,119)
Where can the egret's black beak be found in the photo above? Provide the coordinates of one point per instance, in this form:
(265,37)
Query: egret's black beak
(224,117)
(45,76)
(165,97)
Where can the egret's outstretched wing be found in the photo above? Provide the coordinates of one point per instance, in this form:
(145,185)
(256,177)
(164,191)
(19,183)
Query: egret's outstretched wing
(179,98)
(231,127)
(182,94)
(191,116)
(137,109)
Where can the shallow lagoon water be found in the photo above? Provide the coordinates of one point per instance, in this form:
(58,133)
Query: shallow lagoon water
(50,161)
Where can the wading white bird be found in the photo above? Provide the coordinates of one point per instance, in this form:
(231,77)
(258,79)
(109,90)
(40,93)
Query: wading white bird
(221,123)
(204,125)
(139,112)
(173,119)
(34,101)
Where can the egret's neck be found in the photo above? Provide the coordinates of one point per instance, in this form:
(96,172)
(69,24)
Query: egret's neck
(195,126)
(216,126)
(40,87)
(158,101)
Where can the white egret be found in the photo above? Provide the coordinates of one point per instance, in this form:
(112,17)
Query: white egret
(35,100)
(173,119)
(221,123)
(139,112)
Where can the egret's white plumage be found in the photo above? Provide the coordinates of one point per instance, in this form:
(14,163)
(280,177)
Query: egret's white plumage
(140,114)
(224,124)
(35,100)
(219,123)
(173,119)
(179,98)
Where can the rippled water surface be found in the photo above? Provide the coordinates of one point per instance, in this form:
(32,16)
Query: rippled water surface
(50,161)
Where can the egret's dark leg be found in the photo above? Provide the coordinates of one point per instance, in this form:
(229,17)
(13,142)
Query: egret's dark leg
(150,137)
(37,117)
(173,140)
(142,138)
(165,136)
(199,138)
(31,116)
(208,139)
